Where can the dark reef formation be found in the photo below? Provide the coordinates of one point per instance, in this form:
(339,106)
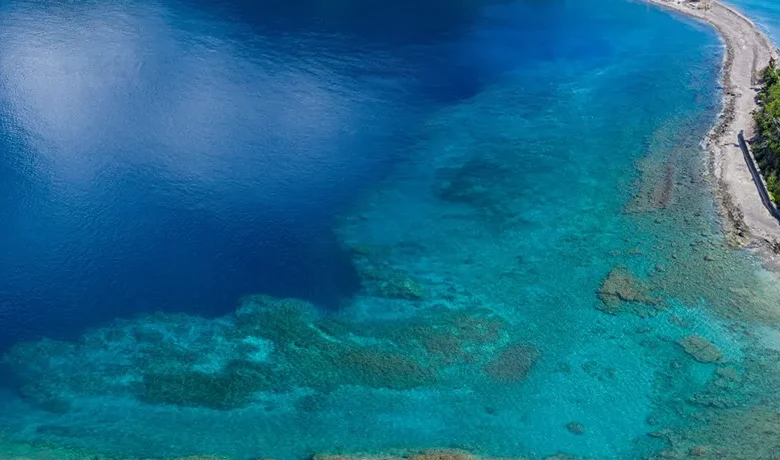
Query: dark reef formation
(621,291)
(271,346)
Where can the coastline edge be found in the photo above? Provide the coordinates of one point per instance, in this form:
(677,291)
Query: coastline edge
(746,221)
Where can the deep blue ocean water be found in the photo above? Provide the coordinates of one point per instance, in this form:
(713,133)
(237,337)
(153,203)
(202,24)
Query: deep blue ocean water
(177,156)
(174,156)
(494,215)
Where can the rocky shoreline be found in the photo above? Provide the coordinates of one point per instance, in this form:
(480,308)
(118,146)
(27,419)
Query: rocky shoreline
(747,223)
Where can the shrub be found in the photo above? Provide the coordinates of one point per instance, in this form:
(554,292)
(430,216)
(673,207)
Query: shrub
(767,117)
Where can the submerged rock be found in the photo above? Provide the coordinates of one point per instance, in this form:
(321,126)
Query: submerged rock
(380,279)
(267,346)
(728,374)
(619,287)
(451,338)
(400,286)
(202,457)
(436,454)
(230,388)
(750,432)
(656,189)
(479,182)
(377,368)
(267,349)
(512,364)
(48,450)
(575,428)
(700,349)
(699,451)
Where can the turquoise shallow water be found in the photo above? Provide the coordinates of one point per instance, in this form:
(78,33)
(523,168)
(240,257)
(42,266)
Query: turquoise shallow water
(543,273)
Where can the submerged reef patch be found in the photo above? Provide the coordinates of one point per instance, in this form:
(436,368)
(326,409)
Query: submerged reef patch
(621,287)
(424,455)
(229,388)
(700,349)
(733,421)
(660,193)
(449,337)
(268,346)
(433,454)
(481,183)
(380,279)
(512,364)
(15,450)
(374,367)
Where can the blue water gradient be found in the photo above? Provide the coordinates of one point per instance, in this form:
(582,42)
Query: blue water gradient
(491,222)
(178,156)
(168,156)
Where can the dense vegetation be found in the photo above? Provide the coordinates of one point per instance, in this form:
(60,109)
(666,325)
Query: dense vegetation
(767,149)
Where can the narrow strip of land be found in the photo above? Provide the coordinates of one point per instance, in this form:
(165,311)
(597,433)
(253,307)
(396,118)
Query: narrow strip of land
(748,50)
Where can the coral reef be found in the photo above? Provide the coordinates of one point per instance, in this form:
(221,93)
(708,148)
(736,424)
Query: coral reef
(374,367)
(380,279)
(700,349)
(424,455)
(475,183)
(434,454)
(450,337)
(13,450)
(268,346)
(231,387)
(661,193)
(512,364)
(400,286)
(484,184)
(621,287)
(663,171)
(733,434)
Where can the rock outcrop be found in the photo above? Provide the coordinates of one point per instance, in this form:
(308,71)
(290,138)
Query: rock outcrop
(700,349)
(619,288)
(512,364)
